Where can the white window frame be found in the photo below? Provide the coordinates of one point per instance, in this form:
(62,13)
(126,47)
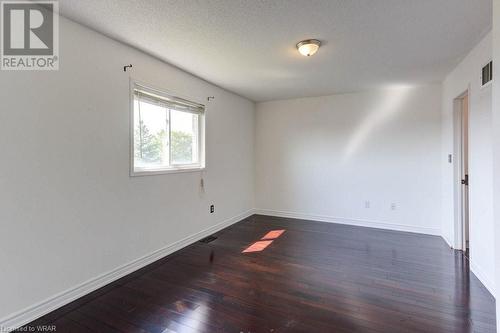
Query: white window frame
(200,166)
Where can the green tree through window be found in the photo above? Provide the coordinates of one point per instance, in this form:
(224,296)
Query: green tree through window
(149,147)
(182,147)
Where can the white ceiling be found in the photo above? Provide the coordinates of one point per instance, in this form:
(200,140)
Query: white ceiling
(248,46)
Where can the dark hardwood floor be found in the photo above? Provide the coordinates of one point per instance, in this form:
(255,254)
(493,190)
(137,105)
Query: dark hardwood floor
(315,277)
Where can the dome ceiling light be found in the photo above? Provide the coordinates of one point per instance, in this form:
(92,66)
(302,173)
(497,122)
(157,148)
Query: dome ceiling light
(308,47)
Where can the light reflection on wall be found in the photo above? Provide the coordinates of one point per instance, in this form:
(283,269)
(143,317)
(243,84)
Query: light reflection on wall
(390,104)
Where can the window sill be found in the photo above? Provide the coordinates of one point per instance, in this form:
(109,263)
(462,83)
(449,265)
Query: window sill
(155,172)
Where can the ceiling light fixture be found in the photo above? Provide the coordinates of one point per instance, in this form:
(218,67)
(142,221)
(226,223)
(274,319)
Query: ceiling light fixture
(308,47)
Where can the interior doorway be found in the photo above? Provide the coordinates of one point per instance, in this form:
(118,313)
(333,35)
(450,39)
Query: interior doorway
(461,177)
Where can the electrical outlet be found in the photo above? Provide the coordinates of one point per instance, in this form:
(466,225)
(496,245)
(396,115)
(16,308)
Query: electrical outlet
(212,209)
(367,204)
(393,206)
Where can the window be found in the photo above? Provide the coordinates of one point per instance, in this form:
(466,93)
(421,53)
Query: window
(167,133)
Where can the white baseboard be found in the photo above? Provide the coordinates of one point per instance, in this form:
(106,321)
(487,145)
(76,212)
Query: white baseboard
(36,311)
(487,282)
(351,221)
(447,241)
(483,278)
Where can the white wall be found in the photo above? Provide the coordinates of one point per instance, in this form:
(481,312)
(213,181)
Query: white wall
(68,209)
(496,143)
(324,157)
(465,76)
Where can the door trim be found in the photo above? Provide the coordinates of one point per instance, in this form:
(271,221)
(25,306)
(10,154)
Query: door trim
(460,194)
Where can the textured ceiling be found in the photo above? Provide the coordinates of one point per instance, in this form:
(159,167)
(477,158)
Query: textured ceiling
(248,46)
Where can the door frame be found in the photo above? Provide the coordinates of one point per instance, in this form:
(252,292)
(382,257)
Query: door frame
(461,192)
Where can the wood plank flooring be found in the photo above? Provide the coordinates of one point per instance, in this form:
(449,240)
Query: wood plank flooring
(315,277)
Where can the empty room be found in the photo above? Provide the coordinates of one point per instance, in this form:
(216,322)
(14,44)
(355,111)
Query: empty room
(249,166)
